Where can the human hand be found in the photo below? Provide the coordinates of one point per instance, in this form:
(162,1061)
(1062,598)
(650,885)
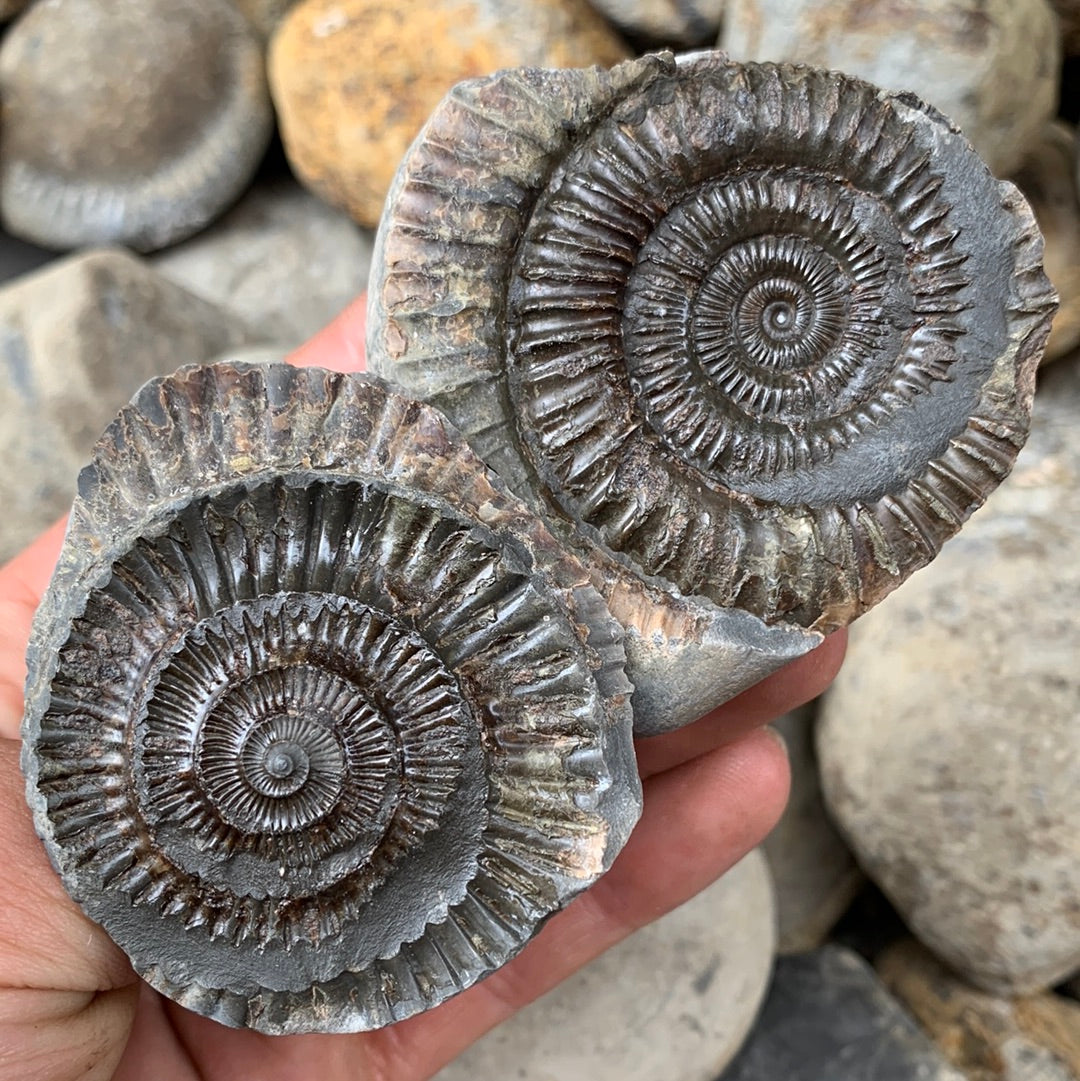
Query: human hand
(71,1007)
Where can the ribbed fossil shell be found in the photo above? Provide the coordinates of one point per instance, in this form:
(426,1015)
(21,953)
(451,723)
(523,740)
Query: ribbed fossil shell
(755,339)
(320,724)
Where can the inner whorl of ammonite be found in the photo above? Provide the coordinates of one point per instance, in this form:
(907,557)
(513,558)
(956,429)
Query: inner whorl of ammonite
(283,729)
(765,317)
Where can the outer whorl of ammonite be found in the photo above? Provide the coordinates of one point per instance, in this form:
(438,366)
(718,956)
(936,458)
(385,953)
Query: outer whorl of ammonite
(321,723)
(756,338)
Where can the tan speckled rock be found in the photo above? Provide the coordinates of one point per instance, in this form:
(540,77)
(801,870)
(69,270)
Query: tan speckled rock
(129,122)
(665,22)
(1034,1038)
(77,339)
(950,744)
(1048,180)
(991,66)
(674,1002)
(354,80)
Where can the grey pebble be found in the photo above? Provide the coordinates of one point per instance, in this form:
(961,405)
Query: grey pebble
(76,340)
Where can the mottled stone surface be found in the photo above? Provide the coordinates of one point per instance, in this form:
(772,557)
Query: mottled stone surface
(949,744)
(282,260)
(755,339)
(992,66)
(354,80)
(813,871)
(76,340)
(1048,179)
(1034,1038)
(672,1003)
(828,1018)
(131,122)
(677,23)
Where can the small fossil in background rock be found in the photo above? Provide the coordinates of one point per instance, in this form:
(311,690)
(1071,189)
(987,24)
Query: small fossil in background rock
(991,66)
(754,339)
(76,339)
(354,80)
(129,122)
(321,724)
(674,1002)
(949,743)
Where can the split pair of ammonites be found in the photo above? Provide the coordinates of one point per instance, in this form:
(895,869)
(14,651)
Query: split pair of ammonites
(329,708)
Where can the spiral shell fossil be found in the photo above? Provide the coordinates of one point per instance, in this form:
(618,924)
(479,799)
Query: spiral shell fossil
(754,340)
(321,724)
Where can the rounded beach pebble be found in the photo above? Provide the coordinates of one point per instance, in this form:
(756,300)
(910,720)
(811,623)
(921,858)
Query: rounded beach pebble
(991,66)
(354,80)
(129,122)
(949,743)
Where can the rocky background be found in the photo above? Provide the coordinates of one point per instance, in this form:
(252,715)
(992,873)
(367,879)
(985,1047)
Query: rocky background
(185,178)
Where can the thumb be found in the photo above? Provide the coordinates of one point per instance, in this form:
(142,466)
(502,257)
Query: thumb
(67,994)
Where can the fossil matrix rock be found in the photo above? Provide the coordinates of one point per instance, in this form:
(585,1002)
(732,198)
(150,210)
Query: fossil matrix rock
(754,340)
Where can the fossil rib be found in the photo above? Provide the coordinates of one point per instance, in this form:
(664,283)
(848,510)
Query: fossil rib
(753,339)
(321,723)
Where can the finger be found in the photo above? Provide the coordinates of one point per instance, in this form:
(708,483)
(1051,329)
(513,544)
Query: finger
(340,345)
(22,582)
(795,684)
(66,992)
(699,820)
(45,939)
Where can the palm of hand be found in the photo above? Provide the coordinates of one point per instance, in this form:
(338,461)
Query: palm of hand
(70,1006)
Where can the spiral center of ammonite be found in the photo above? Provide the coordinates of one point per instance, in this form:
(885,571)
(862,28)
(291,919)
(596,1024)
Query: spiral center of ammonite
(287,762)
(772,303)
(286,752)
(778,319)
(284,730)
(271,763)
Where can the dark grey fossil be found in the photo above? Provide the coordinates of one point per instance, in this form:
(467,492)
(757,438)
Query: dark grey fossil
(321,724)
(754,340)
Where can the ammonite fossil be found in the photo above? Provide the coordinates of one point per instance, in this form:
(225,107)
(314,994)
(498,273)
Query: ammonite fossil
(753,339)
(321,724)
